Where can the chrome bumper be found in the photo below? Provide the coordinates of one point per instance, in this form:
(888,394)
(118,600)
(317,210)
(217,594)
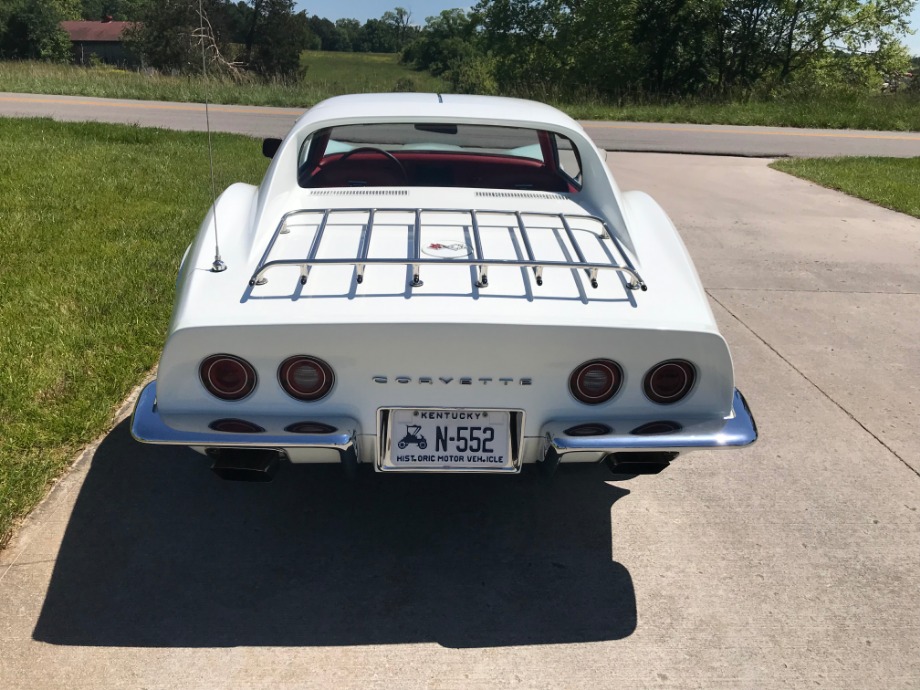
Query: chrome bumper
(147,426)
(734,431)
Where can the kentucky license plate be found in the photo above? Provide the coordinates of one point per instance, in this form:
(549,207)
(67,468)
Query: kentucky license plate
(449,440)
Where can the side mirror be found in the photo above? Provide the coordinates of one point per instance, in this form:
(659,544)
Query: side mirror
(270,147)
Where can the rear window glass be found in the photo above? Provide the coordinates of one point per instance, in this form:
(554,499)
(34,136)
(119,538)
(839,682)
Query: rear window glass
(439,155)
(507,141)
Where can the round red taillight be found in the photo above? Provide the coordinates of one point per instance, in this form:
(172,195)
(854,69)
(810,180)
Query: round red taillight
(227,377)
(235,426)
(669,381)
(305,378)
(596,381)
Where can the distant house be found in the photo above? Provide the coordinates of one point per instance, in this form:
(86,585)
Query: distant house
(102,39)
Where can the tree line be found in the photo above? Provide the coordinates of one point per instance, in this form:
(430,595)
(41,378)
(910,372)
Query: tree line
(262,37)
(664,48)
(560,49)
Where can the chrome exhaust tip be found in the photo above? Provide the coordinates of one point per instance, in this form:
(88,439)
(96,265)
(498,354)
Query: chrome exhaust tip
(244,464)
(638,463)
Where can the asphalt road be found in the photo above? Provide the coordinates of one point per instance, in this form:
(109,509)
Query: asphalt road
(612,136)
(790,564)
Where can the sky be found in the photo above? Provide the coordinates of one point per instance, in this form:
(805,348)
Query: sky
(362,10)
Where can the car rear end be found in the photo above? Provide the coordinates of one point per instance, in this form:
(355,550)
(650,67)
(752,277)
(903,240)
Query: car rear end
(461,328)
(448,397)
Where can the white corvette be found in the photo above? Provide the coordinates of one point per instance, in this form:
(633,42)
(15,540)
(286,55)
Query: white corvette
(428,283)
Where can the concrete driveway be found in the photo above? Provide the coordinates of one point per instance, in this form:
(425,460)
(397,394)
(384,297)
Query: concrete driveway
(790,564)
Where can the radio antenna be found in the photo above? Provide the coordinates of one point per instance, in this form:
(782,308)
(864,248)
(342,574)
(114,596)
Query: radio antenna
(218,265)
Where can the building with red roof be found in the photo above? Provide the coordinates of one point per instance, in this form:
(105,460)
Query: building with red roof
(103,39)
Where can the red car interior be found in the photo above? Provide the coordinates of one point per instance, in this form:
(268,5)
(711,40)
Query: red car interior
(374,168)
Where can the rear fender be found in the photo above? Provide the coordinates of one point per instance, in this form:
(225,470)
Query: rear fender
(234,235)
(664,260)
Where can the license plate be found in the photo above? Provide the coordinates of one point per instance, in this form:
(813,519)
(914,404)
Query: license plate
(449,441)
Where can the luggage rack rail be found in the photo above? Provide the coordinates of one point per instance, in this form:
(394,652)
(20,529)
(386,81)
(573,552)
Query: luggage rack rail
(514,219)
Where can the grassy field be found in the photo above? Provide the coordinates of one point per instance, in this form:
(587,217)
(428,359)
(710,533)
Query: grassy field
(899,112)
(340,73)
(890,182)
(95,221)
(330,74)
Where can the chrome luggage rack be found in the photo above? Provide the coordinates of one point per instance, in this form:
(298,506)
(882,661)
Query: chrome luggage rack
(511,220)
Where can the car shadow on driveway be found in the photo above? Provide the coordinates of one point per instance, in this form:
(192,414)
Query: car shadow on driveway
(160,553)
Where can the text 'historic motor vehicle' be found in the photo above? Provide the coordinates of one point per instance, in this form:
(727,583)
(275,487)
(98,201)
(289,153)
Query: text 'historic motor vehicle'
(428,283)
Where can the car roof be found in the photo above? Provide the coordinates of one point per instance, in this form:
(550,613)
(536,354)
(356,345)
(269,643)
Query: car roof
(416,107)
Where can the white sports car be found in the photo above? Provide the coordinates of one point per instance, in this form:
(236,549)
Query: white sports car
(428,283)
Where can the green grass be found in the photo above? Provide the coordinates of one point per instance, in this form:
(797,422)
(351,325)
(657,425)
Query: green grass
(328,74)
(890,182)
(365,73)
(331,74)
(899,112)
(95,219)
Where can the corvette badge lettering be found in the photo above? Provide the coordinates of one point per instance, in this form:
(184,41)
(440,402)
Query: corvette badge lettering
(463,380)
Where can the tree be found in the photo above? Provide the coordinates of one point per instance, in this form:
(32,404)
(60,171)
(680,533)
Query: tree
(276,39)
(674,48)
(119,10)
(349,30)
(534,42)
(445,41)
(170,36)
(399,21)
(389,34)
(376,36)
(30,29)
(330,37)
(238,21)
